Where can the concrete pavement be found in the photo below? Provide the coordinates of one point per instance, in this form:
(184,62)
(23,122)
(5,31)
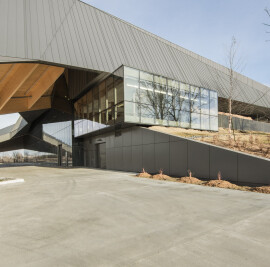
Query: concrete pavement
(85,217)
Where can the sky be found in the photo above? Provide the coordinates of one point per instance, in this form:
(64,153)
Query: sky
(205,27)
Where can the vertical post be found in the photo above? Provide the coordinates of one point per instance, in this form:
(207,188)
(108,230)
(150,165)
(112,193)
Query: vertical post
(66,159)
(59,152)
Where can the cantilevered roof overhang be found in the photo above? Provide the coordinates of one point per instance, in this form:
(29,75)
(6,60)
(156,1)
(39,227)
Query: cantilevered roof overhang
(70,33)
(27,86)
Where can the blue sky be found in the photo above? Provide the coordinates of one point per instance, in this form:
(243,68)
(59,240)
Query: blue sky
(202,26)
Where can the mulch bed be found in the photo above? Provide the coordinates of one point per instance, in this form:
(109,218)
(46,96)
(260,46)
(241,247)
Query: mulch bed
(190,180)
(212,183)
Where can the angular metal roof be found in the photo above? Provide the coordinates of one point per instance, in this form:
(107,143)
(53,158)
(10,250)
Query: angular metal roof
(72,33)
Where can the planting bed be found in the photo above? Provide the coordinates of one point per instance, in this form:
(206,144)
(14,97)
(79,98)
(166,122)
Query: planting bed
(212,183)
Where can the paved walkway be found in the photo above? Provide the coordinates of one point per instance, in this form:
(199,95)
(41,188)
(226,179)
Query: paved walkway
(84,217)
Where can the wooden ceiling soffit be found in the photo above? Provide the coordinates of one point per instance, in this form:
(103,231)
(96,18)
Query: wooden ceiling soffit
(13,80)
(43,84)
(21,105)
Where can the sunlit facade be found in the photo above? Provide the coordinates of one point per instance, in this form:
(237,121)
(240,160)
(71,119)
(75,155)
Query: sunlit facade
(133,96)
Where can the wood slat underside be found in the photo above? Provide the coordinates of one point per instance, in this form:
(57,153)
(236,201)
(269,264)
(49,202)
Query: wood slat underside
(26,86)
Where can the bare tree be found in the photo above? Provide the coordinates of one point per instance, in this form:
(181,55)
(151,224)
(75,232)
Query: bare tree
(267,24)
(234,63)
(16,156)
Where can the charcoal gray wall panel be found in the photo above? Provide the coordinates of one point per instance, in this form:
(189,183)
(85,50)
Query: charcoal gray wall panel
(127,138)
(127,159)
(137,159)
(137,136)
(118,160)
(178,158)
(253,169)
(198,159)
(162,157)
(161,138)
(109,158)
(149,158)
(118,141)
(224,161)
(148,137)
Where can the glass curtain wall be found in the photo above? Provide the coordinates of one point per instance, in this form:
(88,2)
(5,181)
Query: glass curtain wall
(102,106)
(155,100)
(133,96)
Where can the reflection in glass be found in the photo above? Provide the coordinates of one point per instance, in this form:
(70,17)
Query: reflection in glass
(147,114)
(119,89)
(130,95)
(204,101)
(184,97)
(102,96)
(205,122)
(213,123)
(195,99)
(132,113)
(119,113)
(213,103)
(131,89)
(195,120)
(161,104)
(185,119)
(110,92)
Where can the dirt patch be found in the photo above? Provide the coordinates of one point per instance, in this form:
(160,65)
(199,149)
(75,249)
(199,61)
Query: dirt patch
(190,180)
(144,174)
(221,184)
(262,189)
(254,143)
(162,177)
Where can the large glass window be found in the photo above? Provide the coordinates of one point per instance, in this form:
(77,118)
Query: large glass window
(205,122)
(205,101)
(184,97)
(132,112)
(184,119)
(102,96)
(110,92)
(131,85)
(135,96)
(195,99)
(213,103)
(195,120)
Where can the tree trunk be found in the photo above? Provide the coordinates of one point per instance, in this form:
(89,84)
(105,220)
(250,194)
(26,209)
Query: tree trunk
(230,115)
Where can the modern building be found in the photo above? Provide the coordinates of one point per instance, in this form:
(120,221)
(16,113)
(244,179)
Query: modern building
(64,60)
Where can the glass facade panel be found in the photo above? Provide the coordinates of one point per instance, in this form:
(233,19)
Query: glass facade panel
(147,95)
(184,97)
(147,114)
(110,92)
(132,112)
(195,99)
(184,119)
(134,96)
(205,122)
(213,123)
(119,113)
(119,89)
(195,120)
(213,103)
(205,101)
(102,96)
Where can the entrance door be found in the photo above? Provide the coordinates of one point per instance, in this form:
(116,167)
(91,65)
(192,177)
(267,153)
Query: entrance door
(101,155)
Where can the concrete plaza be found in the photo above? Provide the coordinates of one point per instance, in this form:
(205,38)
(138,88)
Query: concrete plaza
(87,217)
